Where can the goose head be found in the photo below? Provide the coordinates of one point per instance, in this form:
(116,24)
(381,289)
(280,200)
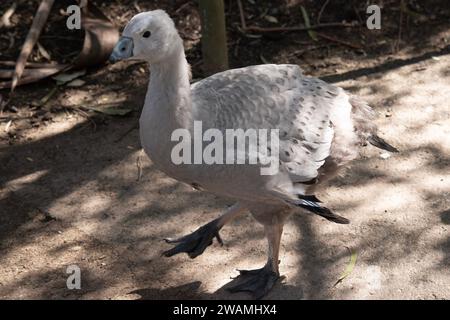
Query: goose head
(149,36)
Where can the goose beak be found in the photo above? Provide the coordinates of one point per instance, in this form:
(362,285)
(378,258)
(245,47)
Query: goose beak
(123,50)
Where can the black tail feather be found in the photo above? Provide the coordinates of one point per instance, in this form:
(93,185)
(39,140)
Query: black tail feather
(309,198)
(311,203)
(381,143)
(327,214)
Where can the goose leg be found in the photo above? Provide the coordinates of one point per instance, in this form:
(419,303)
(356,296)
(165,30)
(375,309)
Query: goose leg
(259,282)
(195,243)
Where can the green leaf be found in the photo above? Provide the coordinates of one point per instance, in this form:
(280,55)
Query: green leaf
(311,33)
(349,268)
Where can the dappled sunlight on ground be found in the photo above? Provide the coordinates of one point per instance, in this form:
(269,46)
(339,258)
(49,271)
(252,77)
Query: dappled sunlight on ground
(80,200)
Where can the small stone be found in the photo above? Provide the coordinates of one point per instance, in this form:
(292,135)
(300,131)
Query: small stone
(385,155)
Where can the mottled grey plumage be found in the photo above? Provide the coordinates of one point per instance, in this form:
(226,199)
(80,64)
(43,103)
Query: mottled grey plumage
(274,97)
(321,128)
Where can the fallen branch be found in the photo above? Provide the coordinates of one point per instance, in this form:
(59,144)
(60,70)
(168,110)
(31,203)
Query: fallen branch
(30,65)
(32,73)
(292,29)
(345,43)
(36,27)
(242,15)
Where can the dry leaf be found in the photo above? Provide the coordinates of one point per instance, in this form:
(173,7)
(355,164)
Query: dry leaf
(5,20)
(44,52)
(8,125)
(76,83)
(64,78)
(271,19)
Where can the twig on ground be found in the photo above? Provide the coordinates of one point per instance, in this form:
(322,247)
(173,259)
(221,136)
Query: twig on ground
(319,17)
(399,37)
(360,19)
(345,43)
(136,6)
(139,165)
(123,135)
(43,101)
(242,15)
(82,111)
(29,64)
(292,29)
(297,53)
(244,28)
(182,7)
(236,47)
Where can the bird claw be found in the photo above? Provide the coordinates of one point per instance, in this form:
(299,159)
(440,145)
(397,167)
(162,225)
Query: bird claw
(219,239)
(257,282)
(195,243)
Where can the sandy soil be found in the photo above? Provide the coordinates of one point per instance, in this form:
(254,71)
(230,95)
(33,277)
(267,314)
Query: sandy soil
(72,194)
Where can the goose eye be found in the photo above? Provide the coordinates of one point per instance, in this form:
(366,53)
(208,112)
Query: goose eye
(147,34)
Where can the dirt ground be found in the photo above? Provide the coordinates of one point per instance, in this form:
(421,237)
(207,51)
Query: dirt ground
(75,187)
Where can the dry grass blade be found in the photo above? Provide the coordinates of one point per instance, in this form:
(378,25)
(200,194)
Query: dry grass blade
(295,29)
(110,110)
(311,33)
(242,15)
(339,41)
(44,52)
(349,268)
(139,164)
(319,17)
(263,59)
(36,27)
(42,102)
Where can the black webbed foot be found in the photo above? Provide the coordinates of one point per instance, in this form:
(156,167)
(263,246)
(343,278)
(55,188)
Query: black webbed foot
(257,282)
(195,243)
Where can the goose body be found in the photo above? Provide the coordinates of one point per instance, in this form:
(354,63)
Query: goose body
(313,118)
(320,127)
